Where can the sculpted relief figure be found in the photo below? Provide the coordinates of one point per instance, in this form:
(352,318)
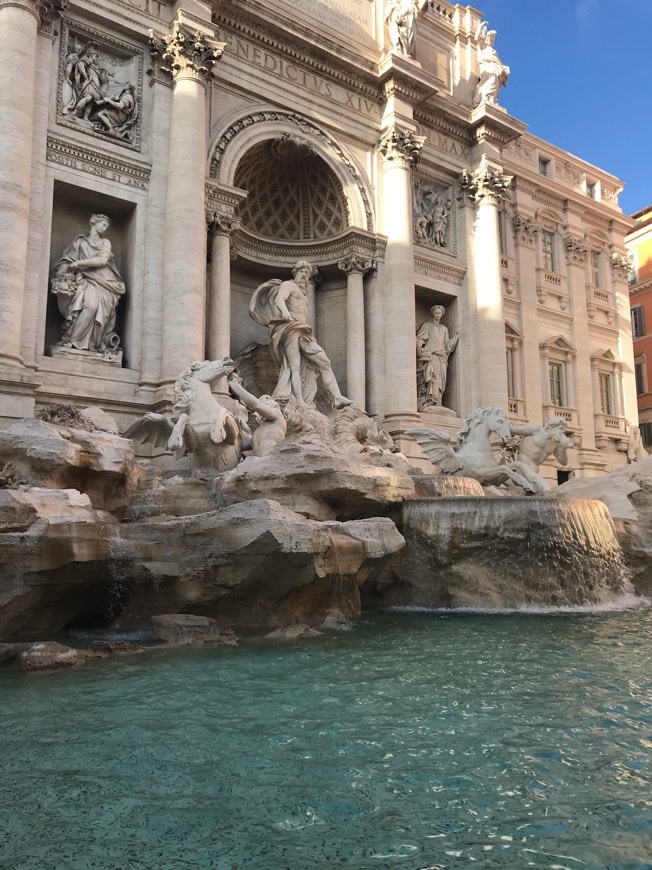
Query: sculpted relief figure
(85,82)
(539,442)
(401,20)
(282,307)
(88,287)
(431,215)
(272,425)
(493,73)
(434,346)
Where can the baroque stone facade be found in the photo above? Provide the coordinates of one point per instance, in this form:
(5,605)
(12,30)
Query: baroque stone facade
(226,141)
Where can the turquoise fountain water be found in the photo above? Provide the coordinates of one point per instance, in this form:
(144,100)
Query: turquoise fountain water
(414,741)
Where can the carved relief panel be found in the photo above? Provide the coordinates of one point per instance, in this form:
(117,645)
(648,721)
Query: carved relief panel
(434,216)
(100,85)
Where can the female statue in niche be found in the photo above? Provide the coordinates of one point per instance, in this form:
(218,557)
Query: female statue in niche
(434,346)
(88,288)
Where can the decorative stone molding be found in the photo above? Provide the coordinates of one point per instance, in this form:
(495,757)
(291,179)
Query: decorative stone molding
(576,250)
(440,271)
(355,263)
(401,147)
(306,126)
(620,265)
(519,150)
(485,183)
(109,105)
(525,229)
(566,172)
(185,54)
(73,156)
(259,250)
(407,90)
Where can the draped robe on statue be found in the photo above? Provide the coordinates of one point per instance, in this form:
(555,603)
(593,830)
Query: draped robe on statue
(90,310)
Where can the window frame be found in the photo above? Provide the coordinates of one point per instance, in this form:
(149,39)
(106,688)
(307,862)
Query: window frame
(548,251)
(637,314)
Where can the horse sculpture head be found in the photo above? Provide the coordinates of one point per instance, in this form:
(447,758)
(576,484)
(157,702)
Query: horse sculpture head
(206,372)
(483,421)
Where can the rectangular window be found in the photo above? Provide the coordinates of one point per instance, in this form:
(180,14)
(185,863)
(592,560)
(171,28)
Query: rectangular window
(591,189)
(548,240)
(639,374)
(511,384)
(607,393)
(638,321)
(646,433)
(544,166)
(633,269)
(595,268)
(557,384)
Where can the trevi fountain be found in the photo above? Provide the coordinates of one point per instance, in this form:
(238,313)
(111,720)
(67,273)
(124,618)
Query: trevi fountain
(294,572)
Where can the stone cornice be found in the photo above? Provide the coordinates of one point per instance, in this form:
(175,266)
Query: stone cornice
(366,246)
(73,156)
(185,53)
(436,269)
(432,120)
(401,147)
(222,200)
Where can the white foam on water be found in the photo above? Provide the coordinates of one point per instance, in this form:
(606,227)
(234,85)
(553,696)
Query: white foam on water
(618,604)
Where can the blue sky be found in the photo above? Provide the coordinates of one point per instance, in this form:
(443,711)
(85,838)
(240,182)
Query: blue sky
(581,77)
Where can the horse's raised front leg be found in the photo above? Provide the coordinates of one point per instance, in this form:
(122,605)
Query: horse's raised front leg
(175,441)
(218,425)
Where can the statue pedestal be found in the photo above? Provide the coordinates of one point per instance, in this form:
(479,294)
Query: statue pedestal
(114,359)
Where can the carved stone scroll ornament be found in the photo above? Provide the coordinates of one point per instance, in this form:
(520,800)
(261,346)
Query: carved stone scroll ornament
(485,183)
(184,53)
(220,224)
(525,229)
(401,147)
(48,10)
(576,250)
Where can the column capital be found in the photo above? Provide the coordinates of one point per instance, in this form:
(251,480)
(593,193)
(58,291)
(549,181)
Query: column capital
(354,263)
(185,53)
(220,224)
(525,229)
(43,10)
(401,147)
(485,183)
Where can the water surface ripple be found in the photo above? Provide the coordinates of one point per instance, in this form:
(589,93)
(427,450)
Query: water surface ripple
(414,741)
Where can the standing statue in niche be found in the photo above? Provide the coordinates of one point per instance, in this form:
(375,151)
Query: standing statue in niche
(88,287)
(493,73)
(401,20)
(434,346)
(282,307)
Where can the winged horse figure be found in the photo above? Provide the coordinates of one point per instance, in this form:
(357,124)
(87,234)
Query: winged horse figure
(210,433)
(472,455)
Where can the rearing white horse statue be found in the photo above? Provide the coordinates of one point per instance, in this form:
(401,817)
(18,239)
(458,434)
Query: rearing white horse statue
(210,433)
(472,455)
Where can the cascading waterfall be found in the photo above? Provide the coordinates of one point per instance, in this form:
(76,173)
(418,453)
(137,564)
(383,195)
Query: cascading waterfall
(505,552)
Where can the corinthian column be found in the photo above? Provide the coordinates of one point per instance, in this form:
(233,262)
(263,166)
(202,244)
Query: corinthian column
(400,151)
(484,187)
(19,22)
(188,57)
(355,268)
(220,228)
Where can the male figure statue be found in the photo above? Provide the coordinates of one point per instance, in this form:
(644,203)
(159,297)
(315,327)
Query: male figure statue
(434,346)
(539,442)
(282,307)
(272,425)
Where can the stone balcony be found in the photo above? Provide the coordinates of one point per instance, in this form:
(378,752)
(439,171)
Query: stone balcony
(609,428)
(569,414)
(600,301)
(552,288)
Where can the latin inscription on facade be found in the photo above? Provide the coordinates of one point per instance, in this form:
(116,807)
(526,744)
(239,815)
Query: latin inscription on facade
(298,76)
(352,20)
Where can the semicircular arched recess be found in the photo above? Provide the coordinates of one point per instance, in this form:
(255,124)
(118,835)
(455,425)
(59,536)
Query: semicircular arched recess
(293,193)
(243,133)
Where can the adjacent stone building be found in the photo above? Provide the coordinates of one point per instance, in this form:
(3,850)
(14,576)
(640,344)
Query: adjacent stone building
(224,141)
(639,245)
